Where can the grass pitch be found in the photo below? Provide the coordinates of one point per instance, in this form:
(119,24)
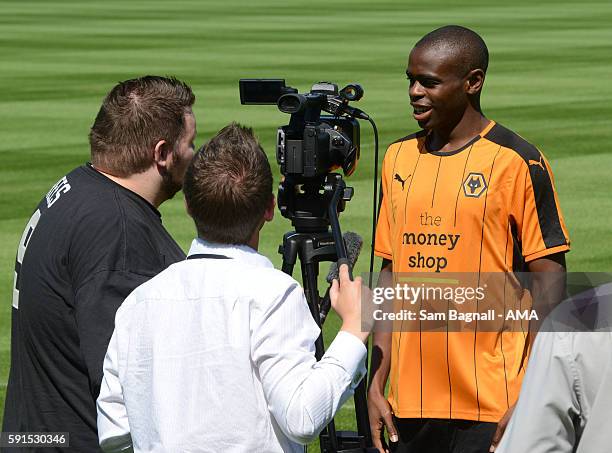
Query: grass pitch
(549,80)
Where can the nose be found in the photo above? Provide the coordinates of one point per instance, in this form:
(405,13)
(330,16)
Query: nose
(415,91)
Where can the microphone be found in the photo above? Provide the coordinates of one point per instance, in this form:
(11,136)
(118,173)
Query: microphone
(337,107)
(353,243)
(356,113)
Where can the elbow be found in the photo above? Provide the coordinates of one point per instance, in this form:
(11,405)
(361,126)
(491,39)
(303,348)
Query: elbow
(302,427)
(304,435)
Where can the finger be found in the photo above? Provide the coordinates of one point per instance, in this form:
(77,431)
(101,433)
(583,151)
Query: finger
(376,428)
(496,438)
(333,292)
(343,272)
(376,442)
(391,429)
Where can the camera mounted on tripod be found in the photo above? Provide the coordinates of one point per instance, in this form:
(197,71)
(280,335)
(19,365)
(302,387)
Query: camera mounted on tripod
(312,145)
(312,195)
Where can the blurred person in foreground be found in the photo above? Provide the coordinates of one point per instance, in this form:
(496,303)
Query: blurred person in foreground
(95,237)
(485,202)
(566,396)
(216,353)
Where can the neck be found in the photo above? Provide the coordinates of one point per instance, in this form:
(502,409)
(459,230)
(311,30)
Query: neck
(145,184)
(254,241)
(471,123)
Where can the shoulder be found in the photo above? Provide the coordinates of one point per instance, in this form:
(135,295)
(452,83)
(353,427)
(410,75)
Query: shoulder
(189,279)
(89,194)
(409,142)
(270,283)
(514,143)
(78,206)
(414,136)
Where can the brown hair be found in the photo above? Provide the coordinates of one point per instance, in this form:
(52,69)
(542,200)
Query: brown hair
(228,186)
(134,116)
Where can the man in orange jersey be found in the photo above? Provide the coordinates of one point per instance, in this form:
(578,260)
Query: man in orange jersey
(467,195)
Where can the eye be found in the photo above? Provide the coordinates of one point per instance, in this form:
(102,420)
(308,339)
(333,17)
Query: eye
(429,83)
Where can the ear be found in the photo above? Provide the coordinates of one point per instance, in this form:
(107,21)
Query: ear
(474,81)
(269,212)
(162,154)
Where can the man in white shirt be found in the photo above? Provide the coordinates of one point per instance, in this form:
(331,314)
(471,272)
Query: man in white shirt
(217,352)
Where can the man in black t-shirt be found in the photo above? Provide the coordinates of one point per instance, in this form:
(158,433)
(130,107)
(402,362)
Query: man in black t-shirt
(93,238)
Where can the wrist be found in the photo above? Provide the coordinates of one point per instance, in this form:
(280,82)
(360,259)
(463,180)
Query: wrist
(375,391)
(354,329)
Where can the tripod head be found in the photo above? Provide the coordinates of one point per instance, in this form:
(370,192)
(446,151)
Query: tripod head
(307,202)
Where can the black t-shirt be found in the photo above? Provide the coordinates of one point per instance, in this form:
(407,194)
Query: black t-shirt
(87,246)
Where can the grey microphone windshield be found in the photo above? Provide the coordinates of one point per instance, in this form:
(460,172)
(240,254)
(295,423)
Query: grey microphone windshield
(353,243)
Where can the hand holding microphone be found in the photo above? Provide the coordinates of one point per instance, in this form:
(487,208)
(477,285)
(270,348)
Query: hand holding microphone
(345,296)
(353,243)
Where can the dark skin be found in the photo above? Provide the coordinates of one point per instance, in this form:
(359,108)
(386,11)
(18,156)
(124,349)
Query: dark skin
(450,95)
(446,102)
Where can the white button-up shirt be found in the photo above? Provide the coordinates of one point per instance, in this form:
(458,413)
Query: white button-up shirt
(218,355)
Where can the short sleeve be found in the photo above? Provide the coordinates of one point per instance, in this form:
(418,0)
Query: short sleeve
(536,212)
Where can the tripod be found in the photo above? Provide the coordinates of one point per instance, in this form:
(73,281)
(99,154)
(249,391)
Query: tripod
(313,245)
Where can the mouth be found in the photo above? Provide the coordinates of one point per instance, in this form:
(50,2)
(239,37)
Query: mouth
(420,112)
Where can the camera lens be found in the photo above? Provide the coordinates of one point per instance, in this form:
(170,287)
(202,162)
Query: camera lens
(291,103)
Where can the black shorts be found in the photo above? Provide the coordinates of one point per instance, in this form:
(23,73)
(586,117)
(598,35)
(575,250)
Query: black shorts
(427,435)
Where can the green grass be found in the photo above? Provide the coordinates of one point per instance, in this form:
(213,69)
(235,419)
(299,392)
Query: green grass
(549,80)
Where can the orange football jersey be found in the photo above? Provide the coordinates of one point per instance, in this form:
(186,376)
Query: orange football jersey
(488,207)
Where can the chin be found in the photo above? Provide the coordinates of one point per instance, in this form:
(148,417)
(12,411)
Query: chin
(425,125)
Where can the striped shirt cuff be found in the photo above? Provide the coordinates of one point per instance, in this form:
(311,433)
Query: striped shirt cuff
(350,352)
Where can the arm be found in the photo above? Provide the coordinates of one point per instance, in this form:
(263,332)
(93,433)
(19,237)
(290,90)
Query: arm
(548,407)
(302,394)
(113,425)
(548,287)
(97,301)
(379,409)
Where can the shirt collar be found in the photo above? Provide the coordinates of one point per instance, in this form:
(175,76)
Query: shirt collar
(242,253)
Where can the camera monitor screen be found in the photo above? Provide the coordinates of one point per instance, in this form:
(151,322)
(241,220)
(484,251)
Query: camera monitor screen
(261,91)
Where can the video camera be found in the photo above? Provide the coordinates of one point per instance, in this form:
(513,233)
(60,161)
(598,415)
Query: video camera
(311,146)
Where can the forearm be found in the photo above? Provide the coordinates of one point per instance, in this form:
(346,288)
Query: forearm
(307,398)
(113,424)
(380,363)
(548,287)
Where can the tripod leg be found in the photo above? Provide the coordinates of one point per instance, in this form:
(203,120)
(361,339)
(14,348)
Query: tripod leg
(361,411)
(309,277)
